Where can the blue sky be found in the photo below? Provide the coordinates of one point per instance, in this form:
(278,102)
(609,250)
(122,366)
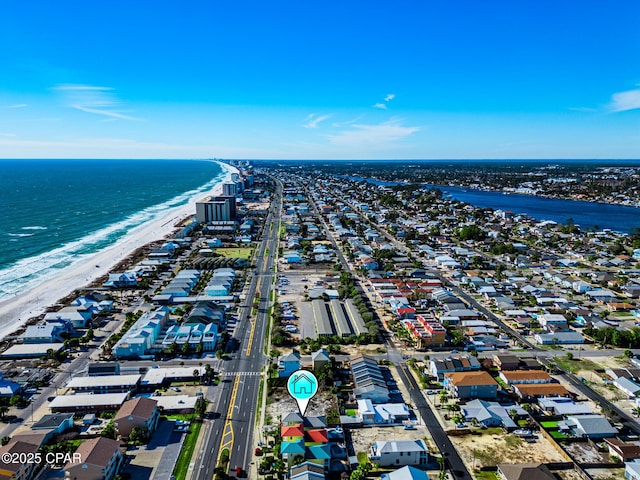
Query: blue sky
(320,79)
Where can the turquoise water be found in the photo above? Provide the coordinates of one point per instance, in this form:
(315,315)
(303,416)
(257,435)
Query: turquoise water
(57,211)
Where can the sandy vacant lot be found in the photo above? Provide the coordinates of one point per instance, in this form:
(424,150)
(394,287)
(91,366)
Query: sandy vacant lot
(493,447)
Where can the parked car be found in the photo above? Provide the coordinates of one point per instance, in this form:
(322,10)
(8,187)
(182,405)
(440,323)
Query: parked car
(394,392)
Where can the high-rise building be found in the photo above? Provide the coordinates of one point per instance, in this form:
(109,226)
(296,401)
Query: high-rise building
(216,209)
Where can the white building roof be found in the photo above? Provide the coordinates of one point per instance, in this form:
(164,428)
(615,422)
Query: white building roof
(104,381)
(88,400)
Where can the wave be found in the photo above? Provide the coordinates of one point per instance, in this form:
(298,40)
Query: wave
(21,234)
(36,227)
(29,272)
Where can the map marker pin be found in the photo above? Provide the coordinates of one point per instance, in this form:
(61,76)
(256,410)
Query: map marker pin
(302,386)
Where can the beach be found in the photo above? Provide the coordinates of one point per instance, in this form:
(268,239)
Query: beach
(16,311)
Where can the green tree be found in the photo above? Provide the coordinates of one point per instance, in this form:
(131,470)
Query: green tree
(109,431)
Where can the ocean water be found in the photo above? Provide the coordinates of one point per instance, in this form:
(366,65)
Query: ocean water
(55,212)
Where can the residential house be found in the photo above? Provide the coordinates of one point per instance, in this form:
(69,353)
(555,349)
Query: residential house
(632,470)
(307,471)
(77,316)
(525,471)
(563,406)
(8,388)
(289,363)
(465,385)
(50,332)
(458,363)
(22,469)
(142,335)
(399,452)
(54,424)
(530,391)
(488,414)
(101,459)
(629,387)
(368,379)
(406,473)
(382,414)
(139,412)
(560,338)
(506,362)
(525,376)
(623,450)
(320,358)
(590,426)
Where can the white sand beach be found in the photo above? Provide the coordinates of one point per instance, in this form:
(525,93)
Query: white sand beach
(15,312)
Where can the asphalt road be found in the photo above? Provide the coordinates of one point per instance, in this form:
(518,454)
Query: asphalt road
(238,398)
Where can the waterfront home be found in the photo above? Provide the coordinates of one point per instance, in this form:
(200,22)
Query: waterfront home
(399,452)
(77,316)
(50,332)
(101,459)
(121,280)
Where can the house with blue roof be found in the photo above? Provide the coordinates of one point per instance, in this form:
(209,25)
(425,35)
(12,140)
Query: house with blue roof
(405,473)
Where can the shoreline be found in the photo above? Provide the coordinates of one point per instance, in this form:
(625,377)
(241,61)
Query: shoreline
(17,311)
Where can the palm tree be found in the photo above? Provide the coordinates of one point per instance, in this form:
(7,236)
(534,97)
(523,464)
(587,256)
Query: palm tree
(3,411)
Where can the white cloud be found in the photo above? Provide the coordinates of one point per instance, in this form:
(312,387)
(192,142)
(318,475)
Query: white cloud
(92,99)
(363,135)
(17,105)
(5,134)
(389,97)
(312,120)
(382,106)
(622,101)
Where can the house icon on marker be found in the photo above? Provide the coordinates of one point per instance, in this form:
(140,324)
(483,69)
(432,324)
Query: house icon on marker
(303,384)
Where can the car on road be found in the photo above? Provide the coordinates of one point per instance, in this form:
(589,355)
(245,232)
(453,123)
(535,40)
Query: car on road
(239,472)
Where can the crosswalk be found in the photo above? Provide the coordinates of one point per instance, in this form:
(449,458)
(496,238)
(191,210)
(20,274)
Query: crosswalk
(240,374)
